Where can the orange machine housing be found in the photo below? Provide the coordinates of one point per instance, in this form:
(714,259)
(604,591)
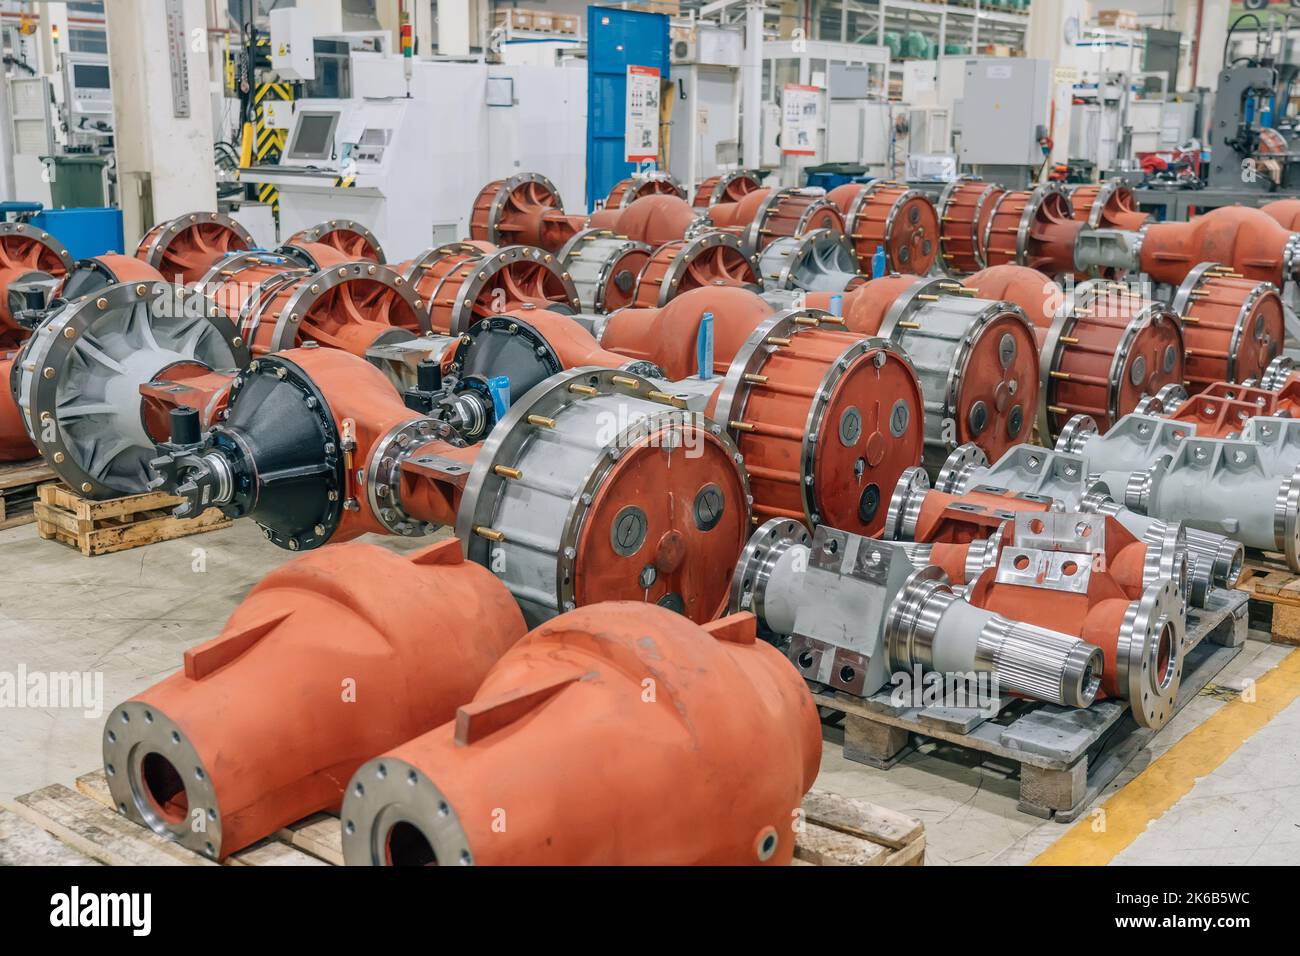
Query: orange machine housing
(345,305)
(25,250)
(1108,206)
(185,248)
(667,336)
(1045,242)
(462,282)
(604,737)
(332,658)
(627,191)
(14,443)
(1110,349)
(353,240)
(727,187)
(1286,212)
(963,211)
(712,259)
(1249,241)
(893,217)
(827,420)
(1233,326)
(1037,295)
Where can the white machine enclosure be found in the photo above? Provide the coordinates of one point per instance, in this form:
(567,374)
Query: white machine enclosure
(389,161)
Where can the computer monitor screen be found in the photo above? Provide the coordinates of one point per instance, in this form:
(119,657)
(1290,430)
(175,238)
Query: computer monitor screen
(90,76)
(314,136)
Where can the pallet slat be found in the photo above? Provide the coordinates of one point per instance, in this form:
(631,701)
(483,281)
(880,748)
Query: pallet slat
(1274,591)
(97,831)
(19,482)
(837,831)
(116,524)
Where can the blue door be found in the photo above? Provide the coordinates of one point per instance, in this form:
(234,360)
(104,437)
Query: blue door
(616,39)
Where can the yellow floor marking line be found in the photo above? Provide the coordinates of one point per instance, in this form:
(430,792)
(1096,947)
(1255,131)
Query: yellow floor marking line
(1096,841)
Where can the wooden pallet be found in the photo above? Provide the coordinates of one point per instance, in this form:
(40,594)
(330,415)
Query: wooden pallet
(19,482)
(1274,591)
(85,827)
(115,524)
(1065,756)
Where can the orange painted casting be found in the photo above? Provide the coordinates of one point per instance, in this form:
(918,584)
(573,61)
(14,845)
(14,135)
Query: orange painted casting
(667,337)
(1286,212)
(332,658)
(605,737)
(739,213)
(502,280)
(961,519)
(573,345)
(708,261)
(1118,211)
(863,309)
(344,236)
(1250,241)
(1049,238)
(191,252)
(963,217)
(518,217)
(1233,328)
(14,443)
(1079,380)
(22,253)
(364,404)
(183,385)
(1223,408)
(853,469)
(350,314)
(1037,295)
(1096,615)
(629,190)
(653,219)
(892,217)
(795,213)
(737,186)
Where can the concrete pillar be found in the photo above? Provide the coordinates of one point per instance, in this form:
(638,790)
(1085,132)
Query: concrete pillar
(751,74)
(1214,30)
(454,27)
(1050,35)
(164,161)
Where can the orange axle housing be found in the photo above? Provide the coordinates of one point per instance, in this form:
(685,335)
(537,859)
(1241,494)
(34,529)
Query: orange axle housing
(1249,241)
(333,657)
(1286,212)
(1037,295)
(667,336)
(604,737)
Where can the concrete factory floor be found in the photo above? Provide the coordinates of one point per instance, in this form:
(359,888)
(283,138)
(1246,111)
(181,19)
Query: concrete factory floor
(1223,784)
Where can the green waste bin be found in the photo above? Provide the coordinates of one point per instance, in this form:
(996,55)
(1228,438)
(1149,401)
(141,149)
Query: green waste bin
(76,180)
